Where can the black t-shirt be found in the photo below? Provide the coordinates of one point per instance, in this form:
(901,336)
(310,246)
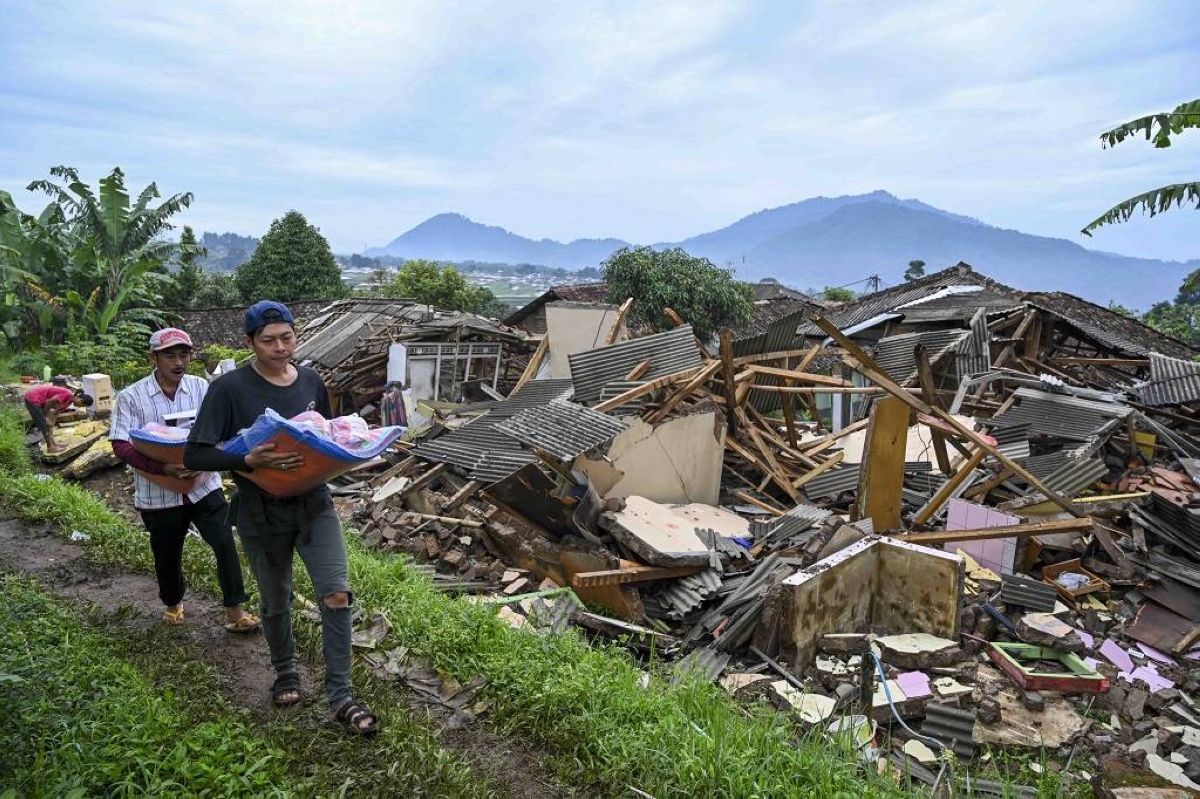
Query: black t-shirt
(236,399)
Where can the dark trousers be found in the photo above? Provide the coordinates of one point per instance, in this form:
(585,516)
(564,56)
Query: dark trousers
(38,416)
(272,532)
(168,530)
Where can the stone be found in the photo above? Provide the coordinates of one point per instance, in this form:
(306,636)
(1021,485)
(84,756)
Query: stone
(1135,703)
(1115,698)
(1043,629)
(1033,701)
(918,650)
(989,710)
(1162,698)
(454,558)
(919,752)
(846,692)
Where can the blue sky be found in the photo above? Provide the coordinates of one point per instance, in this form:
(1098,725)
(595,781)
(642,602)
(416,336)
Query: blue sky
(645,121)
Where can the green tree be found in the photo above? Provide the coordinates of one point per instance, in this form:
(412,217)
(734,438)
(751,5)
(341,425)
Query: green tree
(916,269)
(218,291)
(439,285)
(703,294)
(185,285)
(292,262)
(1158,128)
(89,258)
(838,294)
(1181,320)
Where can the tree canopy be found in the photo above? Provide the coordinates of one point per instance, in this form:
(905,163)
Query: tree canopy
(293,262)
(88,260)
(1158,128)
(439,285)
(185,285)
(916,269)
(703,294)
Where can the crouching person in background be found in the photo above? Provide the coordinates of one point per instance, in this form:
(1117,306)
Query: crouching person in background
(170,497)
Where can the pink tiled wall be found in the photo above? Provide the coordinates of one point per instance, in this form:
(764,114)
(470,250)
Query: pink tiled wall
(997,554)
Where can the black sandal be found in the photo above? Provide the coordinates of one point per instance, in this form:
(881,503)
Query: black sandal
(286,684)
(351,713)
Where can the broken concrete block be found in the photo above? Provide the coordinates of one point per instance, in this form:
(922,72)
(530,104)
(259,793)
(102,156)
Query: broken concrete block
(516,586)
(1033,701)
(989,710)
(950,688)
(1043,629)
(844,643)
(658,535)
(919,752)
(811,708)
(918,650)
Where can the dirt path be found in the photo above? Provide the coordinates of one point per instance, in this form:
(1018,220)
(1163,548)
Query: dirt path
(130,601)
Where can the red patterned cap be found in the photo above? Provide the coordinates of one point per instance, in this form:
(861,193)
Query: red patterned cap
(169,337)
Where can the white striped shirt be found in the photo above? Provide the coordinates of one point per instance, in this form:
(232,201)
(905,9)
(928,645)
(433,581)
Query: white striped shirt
(144,403)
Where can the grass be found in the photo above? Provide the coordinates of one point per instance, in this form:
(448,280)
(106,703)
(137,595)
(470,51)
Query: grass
(80,721)
(583,704)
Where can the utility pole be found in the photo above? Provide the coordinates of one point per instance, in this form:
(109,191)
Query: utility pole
(873,283)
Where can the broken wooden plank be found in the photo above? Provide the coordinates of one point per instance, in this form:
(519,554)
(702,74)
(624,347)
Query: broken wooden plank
(423,480)
(881,478)
(632,573)
(948,488)
(789,420)
(626,397)
(777,474)
(983,533)
(463,494)
(638,371)
(820,444)
(453,521)
(820,469)
(680,394)
(622,312)
(788,374)
(535,363)
(758,503)
(775,356)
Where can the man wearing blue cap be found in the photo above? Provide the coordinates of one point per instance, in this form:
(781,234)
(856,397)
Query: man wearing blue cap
(273,529)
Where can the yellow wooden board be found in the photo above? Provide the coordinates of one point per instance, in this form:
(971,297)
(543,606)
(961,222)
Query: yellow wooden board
(882,477)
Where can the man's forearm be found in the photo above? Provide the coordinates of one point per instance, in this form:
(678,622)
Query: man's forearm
(208,458)
(143,463)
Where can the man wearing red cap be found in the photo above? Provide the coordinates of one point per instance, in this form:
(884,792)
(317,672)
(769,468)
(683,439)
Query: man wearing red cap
(169,497)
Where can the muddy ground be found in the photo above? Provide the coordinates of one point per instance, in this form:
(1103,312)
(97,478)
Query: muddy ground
(130,606)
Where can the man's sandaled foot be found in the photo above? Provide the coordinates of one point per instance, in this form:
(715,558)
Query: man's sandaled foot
(173,617)
(286,690)
(356,718)
(246,623)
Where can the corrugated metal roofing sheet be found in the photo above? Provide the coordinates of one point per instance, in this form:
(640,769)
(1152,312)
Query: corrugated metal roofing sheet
(952,726)
(896,355)
(1172,382)
(1059,415)
(1026,592)
(669,352)
(796,520)
(1122,333)
(837,480)
(563,429)
(1075,475)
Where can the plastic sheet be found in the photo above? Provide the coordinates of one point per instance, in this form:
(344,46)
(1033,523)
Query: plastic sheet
(163,444)
(330,447)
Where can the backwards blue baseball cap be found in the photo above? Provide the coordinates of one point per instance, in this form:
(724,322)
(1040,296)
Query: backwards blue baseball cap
(267,312)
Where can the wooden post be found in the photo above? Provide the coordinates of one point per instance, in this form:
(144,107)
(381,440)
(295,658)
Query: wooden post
(931,507)
(616,328)
(727,376)
(535,363)
(881,478)
(789,419)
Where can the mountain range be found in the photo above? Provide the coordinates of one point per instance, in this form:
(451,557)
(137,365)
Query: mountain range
(833,241)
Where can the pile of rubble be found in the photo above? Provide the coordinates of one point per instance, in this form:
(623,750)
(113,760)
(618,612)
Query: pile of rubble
(961,512)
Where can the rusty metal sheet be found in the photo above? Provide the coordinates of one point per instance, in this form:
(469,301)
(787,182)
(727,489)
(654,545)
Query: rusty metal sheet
(1176,597)
(1163,629)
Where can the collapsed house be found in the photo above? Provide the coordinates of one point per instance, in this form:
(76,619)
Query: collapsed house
(950,503)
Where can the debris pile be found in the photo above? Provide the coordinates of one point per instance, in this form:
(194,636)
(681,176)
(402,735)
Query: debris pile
(964,513)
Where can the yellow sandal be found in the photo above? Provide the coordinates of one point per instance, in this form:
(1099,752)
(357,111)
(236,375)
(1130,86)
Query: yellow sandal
(173,617)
